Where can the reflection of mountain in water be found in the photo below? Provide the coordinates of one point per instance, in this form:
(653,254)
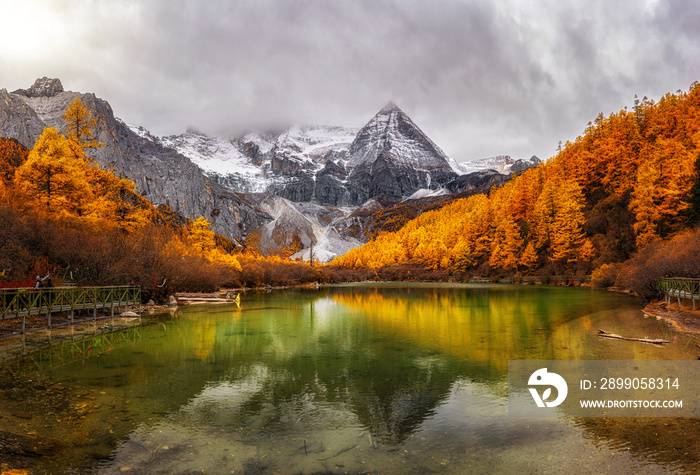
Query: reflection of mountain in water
(390,387)
(393,366)
(304,365)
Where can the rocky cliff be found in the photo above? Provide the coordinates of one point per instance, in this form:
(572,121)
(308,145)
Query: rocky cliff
(161,175)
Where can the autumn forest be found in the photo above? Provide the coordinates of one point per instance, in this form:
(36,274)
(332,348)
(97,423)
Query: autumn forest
(620,202)
(60,210)
(620,190)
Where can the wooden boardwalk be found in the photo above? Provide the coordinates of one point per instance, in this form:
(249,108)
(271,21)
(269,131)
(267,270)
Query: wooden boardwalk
(25,302)
(680,288)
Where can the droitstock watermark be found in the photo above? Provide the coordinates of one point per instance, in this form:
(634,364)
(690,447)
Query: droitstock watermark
(604,388)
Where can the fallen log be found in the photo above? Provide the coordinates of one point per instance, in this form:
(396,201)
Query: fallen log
(657,341)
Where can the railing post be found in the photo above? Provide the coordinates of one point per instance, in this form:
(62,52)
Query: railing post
(50,297)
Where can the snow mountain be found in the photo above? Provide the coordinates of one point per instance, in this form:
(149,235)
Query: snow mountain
(284,163)
(501,163)
(284,190)
(391,156)
(332,166)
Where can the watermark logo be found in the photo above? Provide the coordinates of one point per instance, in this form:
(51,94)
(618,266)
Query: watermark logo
(603,388)
(542,378)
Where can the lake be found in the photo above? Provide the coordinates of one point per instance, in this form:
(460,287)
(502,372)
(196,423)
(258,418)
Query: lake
(383,378)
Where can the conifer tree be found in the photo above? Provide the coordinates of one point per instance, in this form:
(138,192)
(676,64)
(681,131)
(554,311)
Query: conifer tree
(81,125)
(568,235)
(529,257)
(434,254)
(203,238)
(53,177)
(543,216)
(586,252)
(460,256)
(126,207)
(508,245)
(12,155)
(644,203)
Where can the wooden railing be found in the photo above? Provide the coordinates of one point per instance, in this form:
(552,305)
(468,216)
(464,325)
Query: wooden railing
(24,302)
(680,288)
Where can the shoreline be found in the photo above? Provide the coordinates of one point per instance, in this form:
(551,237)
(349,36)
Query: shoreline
(684,320)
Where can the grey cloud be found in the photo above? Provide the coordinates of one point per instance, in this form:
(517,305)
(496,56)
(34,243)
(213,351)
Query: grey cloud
(481,78)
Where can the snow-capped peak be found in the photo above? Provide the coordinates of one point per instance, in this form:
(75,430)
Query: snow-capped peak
(392,132)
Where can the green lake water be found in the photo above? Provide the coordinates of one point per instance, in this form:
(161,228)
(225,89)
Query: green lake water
(406,379)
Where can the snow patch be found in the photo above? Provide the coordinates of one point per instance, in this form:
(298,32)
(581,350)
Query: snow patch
(427,193)
(215,156)
(498,163)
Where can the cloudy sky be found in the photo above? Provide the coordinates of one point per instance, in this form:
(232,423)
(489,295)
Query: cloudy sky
(481,78)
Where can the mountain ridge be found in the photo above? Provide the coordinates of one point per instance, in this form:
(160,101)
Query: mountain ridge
(333,169)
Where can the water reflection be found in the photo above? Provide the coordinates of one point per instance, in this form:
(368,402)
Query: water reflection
(358,379)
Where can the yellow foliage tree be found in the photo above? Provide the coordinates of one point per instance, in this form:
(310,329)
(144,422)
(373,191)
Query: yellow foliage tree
(203,239)
(81,125)
(568,235)
(507,245)
(461,259)
(119,202)
(643,203)
(12,155)
(641,159)
(54,175)
(529,257)
(543,216)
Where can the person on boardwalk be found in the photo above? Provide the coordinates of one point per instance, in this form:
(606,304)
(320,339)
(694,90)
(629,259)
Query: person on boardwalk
(42,282)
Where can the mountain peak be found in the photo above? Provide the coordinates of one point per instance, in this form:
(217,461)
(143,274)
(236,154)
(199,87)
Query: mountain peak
(389,108)
(391,156)
(392,132)
(42,87)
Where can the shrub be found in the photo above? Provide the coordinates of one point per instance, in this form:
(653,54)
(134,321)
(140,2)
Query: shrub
(677,257)
(605,276)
